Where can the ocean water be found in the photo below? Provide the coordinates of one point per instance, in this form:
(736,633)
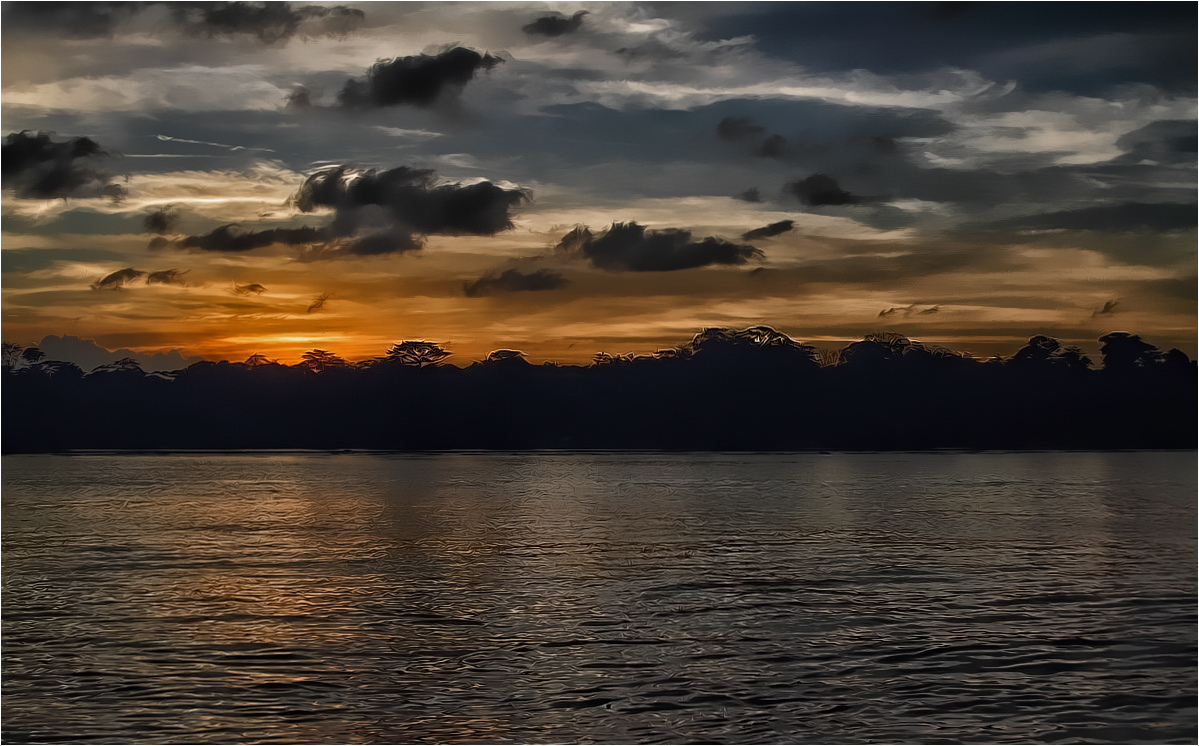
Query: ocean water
(599,598)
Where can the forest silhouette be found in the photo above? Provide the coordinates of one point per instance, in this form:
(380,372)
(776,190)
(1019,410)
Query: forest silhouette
(750,389)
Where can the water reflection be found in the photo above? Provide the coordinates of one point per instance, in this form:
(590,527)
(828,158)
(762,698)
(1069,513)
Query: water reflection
(622,597)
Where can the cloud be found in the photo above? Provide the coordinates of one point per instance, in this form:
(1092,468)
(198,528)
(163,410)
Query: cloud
(166,277)
(419,80)
(1126,217)
(513,281)
(80,20)
(118,279)
(629,246)
(319,302)
(555,25)
(774,146)
(232,239)
(753,194)
(735,129)
(248,289)
(269,22)
(1165,141)
(773,229)
(819,190)
(161,221)
(908,311)
(374,212)
(39,168)
(1109,307)
(413,199)
(744,129)
(167,138)
(394,208)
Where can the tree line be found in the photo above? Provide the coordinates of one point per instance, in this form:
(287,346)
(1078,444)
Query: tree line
(726,389)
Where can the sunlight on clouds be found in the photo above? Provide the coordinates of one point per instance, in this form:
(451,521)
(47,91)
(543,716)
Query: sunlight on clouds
(190,87)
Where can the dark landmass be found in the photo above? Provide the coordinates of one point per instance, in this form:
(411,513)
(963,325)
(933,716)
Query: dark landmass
(754,389)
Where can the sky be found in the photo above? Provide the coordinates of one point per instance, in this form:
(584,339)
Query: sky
(217,180)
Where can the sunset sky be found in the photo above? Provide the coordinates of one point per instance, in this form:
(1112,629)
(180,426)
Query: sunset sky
(566,178)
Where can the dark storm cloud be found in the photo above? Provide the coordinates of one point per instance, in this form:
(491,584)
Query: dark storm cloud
(167,277)
(80,20)
(753,194)
(513,281)
(1126,217)
(629,246)
(374,213)
(411,199)
(654,50)
(555,25)
(118,279)
(773,229)
(819,190)
(39,168)
(774,146)
(232,238)
(744,129)
(1164,141)
(161,221)
(1046,46)
(735,129)
(419,80)
(269,22)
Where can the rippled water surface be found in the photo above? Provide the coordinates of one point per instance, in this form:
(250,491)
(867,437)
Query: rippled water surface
(614,597)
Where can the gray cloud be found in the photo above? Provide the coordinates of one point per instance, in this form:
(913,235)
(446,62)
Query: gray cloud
(117,280)
(555,25)
(512,281)
(629,246)
(1164,141)
(232,238)
(39,168)
(819,190)
(735,129)
(375,213)
(767,231)
(1126,217)
(269,22)
(419,80)
(753,194)
(80,20)
(161,221)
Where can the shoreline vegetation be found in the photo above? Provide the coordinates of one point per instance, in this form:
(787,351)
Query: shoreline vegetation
(753,389)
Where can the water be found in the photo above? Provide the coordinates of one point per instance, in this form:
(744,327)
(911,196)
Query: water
(612,598)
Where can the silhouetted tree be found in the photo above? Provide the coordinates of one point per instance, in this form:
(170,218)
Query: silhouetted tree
(1123,353)
(1039,351)
(124,365)
(319,360)
(752,388)
(506,357)
(257,361)
(417,354)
